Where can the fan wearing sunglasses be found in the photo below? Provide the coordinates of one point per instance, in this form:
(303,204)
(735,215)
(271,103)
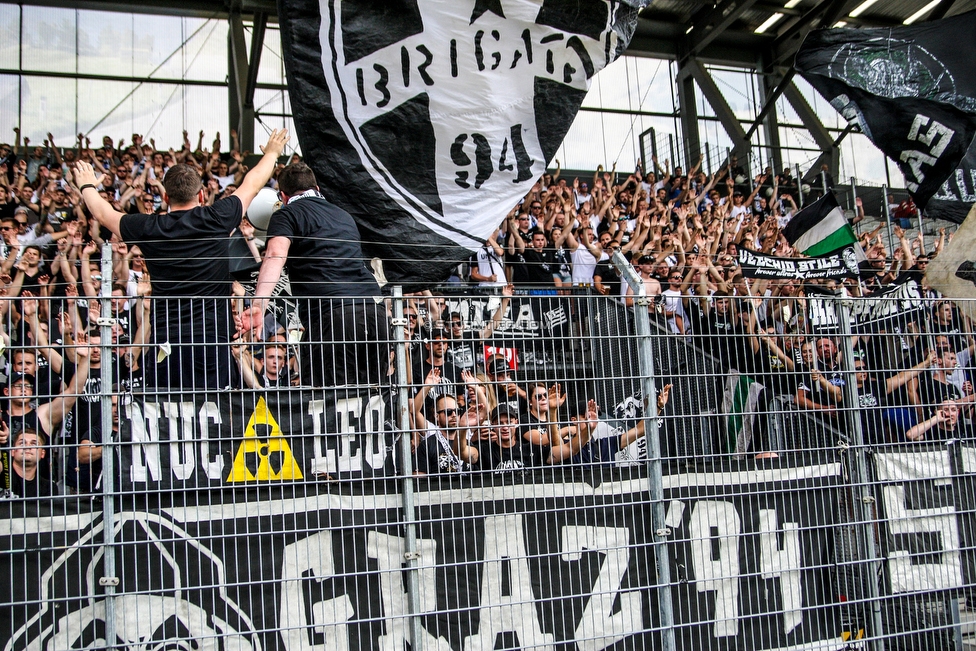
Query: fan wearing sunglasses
(442,446)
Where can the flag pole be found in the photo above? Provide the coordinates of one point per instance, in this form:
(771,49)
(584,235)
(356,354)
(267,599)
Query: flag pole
(857,224)
(799,184)
(921,231)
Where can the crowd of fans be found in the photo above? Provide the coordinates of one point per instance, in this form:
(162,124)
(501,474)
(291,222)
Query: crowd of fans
(680,230)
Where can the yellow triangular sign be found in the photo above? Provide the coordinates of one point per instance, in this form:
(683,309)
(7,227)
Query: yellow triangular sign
(264,459)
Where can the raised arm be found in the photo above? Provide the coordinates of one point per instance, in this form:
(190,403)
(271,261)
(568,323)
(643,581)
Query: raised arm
(41,342)
(496,318)
(261,173)
(53,413)
(100,209)
(275,257)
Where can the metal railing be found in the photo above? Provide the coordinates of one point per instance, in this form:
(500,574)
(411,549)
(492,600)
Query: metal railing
(803,486)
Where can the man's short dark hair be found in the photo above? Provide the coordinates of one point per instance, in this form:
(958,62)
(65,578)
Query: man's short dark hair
(439,333)
(296,178)
(182,184)
(41,438)
(22,352)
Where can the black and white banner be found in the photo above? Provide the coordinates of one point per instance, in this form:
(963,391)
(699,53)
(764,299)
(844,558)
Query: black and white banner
(900,303)
(842,264)
(428,120)
(529,314)
(927,492)
(912,91)
(535,566)
(247,438)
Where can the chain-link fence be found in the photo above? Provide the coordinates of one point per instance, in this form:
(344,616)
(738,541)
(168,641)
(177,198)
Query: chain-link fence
(483,469)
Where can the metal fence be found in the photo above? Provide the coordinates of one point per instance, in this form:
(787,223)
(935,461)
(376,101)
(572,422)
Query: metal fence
(807,484)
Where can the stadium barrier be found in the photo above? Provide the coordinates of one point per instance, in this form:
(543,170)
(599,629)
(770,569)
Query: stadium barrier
(766,505)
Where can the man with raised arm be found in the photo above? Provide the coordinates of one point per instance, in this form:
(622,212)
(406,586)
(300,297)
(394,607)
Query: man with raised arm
(346,330)
(187,255)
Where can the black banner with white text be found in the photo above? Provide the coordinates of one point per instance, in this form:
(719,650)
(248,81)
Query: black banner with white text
(534,565)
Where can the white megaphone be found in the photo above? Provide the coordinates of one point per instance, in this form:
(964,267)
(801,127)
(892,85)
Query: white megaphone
(261,208)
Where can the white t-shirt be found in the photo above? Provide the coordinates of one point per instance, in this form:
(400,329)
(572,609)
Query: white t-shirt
(673,305)
(224,181)
(584,264)
(739,213)
(489,264)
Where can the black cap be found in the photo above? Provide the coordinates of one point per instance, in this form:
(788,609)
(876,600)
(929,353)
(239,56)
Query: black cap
(17,377)
(504,410)
(439,333)
(498,367)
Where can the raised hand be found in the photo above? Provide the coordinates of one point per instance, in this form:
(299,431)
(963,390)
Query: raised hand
(144,286)
(85,174)
(556,396)
(29,305)
(662,396)
(276,142)
(433,377)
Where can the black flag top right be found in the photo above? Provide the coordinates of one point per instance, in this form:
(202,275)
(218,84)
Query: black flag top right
(428,120)
(912,91)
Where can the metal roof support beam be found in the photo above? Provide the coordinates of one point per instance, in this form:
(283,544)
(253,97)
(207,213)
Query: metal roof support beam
(257,45)
(808,116)
(688,114)
(740,144)
(241,114)
(719,18)
(829,147)
(771,121)
(770,102)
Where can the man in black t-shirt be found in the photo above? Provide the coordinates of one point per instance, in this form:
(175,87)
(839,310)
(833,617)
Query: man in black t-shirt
(434,355)
(187,254)
(537,266)
(345,327)
(27,452)
(506,451)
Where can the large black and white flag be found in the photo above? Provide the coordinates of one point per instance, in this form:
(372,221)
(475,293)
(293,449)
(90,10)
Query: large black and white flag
(428,120)
(912,91)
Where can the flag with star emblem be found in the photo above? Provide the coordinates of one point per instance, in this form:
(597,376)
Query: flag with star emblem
(429,120)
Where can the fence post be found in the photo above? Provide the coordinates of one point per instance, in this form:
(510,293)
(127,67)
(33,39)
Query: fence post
(410,556)
(886,213)
(645,357)
(109,580)
(863,499)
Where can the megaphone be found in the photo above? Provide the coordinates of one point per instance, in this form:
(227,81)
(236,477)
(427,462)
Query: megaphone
(261,208)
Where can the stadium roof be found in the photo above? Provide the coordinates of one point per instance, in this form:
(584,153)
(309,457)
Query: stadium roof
(731,31)
(742,31)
